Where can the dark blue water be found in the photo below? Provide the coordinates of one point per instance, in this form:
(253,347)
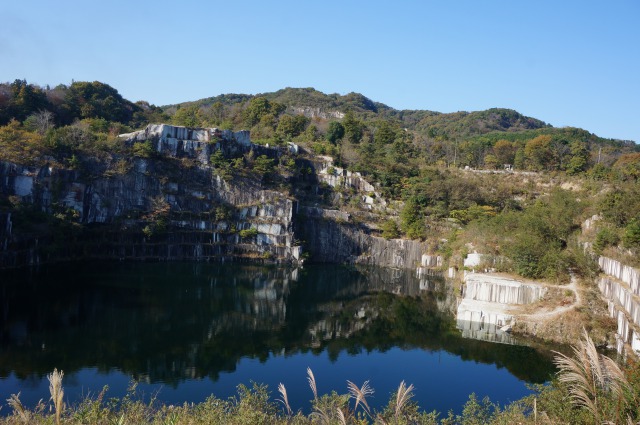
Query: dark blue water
(186,331)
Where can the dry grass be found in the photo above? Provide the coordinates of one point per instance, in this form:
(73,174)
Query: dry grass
(553,298)
(588,379)
(18,408)
(284,399)
(312,383)
(57,392)
(360,394)
(590,374)
(403,395)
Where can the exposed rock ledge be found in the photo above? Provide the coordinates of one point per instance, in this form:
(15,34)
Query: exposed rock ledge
(486,310)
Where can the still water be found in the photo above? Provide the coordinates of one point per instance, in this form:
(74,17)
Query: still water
(184,331)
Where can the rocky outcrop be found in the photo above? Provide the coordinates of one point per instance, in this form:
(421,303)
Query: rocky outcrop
(312,112)
(428,263)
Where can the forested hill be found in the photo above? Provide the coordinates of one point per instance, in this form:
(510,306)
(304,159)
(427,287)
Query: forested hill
(361,134)
(313,103)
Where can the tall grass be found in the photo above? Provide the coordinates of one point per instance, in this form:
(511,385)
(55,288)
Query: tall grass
(592,379)
(589,388)
(57,392)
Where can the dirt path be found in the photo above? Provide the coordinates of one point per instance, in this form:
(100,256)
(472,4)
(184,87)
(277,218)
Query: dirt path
(546,315)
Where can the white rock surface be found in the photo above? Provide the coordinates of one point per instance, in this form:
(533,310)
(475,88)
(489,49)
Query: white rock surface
(484,309)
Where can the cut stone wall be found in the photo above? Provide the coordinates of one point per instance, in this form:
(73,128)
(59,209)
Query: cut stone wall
(621,289)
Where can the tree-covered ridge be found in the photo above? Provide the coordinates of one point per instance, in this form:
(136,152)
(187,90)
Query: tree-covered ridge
(442,139)
(480,122)
(63,105)
(363,135)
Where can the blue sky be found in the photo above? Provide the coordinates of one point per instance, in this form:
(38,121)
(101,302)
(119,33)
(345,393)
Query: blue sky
(569,63)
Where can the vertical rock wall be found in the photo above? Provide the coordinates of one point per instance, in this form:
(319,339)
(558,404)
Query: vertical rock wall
(628,275)
(495,289)
(621,289)
(330,240)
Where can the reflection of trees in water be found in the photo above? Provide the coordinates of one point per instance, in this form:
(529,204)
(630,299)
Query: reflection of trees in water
(170,322)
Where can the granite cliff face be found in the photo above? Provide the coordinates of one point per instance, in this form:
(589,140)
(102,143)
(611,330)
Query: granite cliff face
(620,286)
(173,203)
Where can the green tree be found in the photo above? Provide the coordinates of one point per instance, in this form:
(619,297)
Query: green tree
(188,116)
(631,236)
(263,165)
(504,152)
(258,108)
(97,100)
(335,132)
(390,229)
(621,205)
(579,159)
(384,134)
(291,126)
(143,149)
(490,161)
(628,166)
(353,128)
(216,113)
(220,163)
(605,237)
(27,99)
(20,146)
(519,160)
(539,153)
(412,219)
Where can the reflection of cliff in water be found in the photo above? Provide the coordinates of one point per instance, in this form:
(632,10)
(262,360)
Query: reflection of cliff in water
(170,322)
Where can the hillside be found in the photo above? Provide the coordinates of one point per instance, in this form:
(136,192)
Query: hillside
(397,174)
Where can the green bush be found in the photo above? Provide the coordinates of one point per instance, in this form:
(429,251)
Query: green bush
(631,236)
(604,238)
(143,149)
(248,233)
(390,229)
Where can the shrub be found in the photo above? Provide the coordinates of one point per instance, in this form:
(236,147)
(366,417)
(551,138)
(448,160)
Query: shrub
(390,229)
(143,149)
(248,233)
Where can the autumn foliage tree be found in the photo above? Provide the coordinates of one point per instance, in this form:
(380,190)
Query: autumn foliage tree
(539,153)
(628,166)
(504,152)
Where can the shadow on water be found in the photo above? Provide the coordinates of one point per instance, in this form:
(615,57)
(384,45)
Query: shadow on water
(176,322)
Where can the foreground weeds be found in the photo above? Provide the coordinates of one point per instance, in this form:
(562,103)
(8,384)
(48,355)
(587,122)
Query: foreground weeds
(589,389)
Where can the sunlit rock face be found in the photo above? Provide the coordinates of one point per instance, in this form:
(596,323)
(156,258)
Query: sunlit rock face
(483,311)
(497,289)
(621,289)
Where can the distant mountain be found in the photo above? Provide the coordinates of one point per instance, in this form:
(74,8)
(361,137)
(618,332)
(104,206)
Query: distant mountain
(480,122)
(313,103)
